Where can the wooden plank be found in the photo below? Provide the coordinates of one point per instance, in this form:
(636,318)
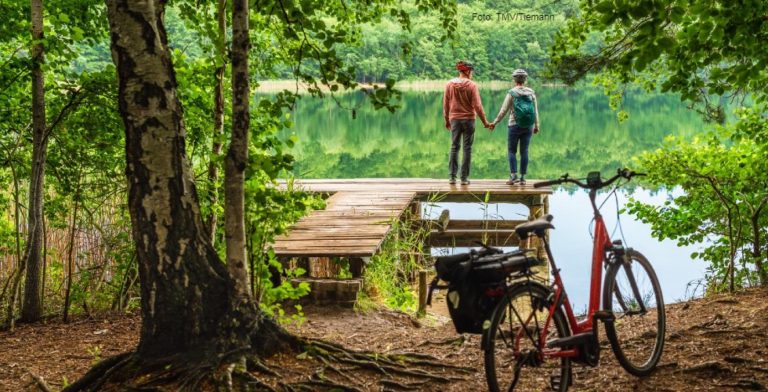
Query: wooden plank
(470,237)
(353,224)
(307,246)
(461,224)
(325,253)
(421,186)
(327,236)
(341,229)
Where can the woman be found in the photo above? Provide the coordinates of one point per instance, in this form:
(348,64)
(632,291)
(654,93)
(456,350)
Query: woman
(523,123)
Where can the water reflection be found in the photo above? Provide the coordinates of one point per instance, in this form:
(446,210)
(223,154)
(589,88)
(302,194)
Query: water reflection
(579,134)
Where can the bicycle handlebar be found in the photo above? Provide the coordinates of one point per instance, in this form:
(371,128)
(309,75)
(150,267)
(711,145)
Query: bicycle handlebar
(599,183)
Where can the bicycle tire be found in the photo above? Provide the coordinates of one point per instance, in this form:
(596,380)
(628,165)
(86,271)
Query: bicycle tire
(637,338)
(500,359)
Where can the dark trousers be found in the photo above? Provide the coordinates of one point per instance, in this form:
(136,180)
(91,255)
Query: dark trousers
(522,137)
(462,133)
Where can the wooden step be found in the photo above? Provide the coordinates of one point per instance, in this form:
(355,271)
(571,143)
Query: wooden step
(465,238)
(342,292)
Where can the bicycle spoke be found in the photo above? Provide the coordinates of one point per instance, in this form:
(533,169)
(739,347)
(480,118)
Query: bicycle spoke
(518,367)
(516,362)
(620,298)
(524,324)
(633,285)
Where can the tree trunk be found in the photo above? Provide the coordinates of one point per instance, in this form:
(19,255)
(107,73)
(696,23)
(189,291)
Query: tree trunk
(71,255)
(189,301)
(757,253)
(237,156)
(218,117)
(44,260)
(32,307)
(18,270)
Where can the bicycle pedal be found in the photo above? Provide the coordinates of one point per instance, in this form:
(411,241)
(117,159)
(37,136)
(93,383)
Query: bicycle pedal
(554,382)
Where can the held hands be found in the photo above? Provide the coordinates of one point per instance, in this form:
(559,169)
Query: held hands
(489,126)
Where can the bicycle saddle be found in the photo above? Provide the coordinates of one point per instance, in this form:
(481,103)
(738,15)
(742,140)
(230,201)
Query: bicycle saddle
(536,226)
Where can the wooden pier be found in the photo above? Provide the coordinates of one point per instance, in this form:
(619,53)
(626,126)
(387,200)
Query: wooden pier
(360,213)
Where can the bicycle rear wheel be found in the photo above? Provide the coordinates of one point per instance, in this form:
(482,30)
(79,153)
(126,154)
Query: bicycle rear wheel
(512,343)
(633,293)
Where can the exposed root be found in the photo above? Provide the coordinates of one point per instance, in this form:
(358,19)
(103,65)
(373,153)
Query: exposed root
(752,385)
(254,364)
(98,374)
(452,341)
(392,384)
(251,381)
(404,364)
(313,385)
(241,369)
(39,382)
(334,369)
(710,366)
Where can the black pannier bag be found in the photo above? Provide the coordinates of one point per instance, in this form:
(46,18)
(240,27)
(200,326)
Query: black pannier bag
(476,284)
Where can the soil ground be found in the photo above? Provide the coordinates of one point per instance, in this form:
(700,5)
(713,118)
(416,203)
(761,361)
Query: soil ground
(718,343)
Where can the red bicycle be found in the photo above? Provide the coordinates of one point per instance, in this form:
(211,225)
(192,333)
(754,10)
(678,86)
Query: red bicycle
(534,326)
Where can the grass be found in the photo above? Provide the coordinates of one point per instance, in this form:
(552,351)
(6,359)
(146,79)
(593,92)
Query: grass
(388,278)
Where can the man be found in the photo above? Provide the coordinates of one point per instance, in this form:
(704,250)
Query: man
(461,103)
(523,123)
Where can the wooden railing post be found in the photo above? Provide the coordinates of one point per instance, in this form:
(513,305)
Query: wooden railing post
(422,293)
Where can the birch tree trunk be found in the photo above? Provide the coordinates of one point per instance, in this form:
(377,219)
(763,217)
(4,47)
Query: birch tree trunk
(31,309)
(218,116)
(189,301)
(237,156)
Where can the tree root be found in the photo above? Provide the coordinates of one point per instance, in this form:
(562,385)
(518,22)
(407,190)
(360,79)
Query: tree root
(392,384)
(403,364)
(39,382)
(249,380)
(452,341)
(98,374)
(313,385)
(254,364)
(242,369)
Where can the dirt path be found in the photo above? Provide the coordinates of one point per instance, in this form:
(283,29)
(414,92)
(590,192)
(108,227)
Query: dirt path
(713,344)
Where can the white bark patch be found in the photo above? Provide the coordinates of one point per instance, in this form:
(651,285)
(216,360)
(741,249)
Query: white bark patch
(152,294)
(187,199)
(182,250)
(198,300)
(156,204)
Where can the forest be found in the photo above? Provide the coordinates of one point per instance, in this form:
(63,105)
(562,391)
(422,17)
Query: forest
(140,165)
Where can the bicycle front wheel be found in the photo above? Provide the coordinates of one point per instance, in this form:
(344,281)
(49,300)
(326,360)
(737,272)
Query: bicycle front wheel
(514,357)
(633,293)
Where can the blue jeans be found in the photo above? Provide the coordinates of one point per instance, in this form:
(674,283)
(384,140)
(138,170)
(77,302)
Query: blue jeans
(522,136)
(462,132)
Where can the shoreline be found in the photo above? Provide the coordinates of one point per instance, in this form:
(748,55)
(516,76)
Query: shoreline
(275,86)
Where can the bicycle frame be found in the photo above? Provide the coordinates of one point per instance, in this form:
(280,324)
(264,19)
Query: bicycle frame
(600,244)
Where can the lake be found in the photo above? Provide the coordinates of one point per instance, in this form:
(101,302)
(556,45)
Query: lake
(579,134)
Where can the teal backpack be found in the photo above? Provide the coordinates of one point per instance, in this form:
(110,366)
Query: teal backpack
(525,112)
